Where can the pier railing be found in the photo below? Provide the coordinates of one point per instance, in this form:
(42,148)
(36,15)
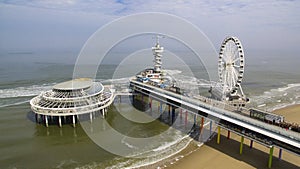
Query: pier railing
(211,107)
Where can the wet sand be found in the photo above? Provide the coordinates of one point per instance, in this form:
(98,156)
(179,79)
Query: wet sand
(291,113)
(226,154)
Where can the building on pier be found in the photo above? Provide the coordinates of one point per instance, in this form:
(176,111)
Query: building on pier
(71,99)
(156,75)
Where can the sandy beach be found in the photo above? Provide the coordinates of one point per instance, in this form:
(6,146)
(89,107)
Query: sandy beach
(226,154)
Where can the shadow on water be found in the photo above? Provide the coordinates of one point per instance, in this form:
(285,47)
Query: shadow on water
(67,130)
(253,157)
(31,116)
(193,130)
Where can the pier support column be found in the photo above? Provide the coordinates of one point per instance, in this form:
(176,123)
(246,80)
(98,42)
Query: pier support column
(39,120)
(91,117)
(142,98)
(195,118)
(202,124)
(241,145)
(36,118)
(103,113)
(270,157)
(173,114)
(46,121)
(158,107)
(73,120)
(59,121)
(251,143)
(160,110)
(150,103)
(280,154)
(180,113)
(186,118)
(210,128)
(219,135)
(169,109)
(228,134)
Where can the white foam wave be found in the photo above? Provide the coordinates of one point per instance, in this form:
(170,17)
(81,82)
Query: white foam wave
(173,72)
(278,97)
(261,105)
(65,163)
(119,80)
(164,151)
(24,91)
(191,83)
(13,104)
(167,155)
(288,87)
(34,90)
(168,144)
(128,144)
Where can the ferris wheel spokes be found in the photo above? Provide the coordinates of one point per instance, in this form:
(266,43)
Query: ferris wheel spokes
(231,69)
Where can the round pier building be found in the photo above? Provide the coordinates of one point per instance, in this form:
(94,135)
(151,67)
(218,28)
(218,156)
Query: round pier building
(68,100)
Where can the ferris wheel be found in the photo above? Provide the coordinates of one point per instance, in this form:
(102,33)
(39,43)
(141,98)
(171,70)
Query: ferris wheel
(231,66)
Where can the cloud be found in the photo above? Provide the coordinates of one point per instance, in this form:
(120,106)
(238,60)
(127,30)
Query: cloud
(184,8)
(261,24)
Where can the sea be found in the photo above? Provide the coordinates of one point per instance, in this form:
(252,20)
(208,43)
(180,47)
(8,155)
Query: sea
(271,81)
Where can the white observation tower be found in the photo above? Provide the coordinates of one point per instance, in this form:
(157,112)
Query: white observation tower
(157,52)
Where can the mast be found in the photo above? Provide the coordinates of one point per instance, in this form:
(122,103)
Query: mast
(157,52)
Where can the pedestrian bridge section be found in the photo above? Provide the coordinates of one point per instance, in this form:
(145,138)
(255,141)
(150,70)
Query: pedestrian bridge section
(264,133)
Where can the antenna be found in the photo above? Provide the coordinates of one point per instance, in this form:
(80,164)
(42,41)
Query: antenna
(157,37)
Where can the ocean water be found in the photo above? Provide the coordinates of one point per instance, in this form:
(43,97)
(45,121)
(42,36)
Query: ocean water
(270,82)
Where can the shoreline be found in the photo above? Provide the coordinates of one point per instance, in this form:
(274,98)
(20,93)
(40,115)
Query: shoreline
(226,154)
(173,159)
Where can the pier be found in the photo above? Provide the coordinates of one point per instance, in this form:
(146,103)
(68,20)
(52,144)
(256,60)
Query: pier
(225,109)
(226,106)
(256,131)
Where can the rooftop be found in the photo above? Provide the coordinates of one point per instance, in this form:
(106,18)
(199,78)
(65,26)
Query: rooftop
(75,84)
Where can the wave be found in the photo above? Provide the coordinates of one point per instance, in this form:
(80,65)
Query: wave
(128,144)
(14,104)
(126,79)
(19,95)
(24,91)
(182,81)
(67,163)
(118,80)
(277,98)
(173,72)
(168,155)
(163,151)
(168,144)
(289,86)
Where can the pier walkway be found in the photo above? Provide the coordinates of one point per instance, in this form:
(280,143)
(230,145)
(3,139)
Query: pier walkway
(227,117)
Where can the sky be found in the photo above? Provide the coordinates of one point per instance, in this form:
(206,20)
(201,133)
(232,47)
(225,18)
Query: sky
(269,26)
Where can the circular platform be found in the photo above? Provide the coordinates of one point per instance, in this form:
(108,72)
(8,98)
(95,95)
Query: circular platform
(76,84)
(74,97)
